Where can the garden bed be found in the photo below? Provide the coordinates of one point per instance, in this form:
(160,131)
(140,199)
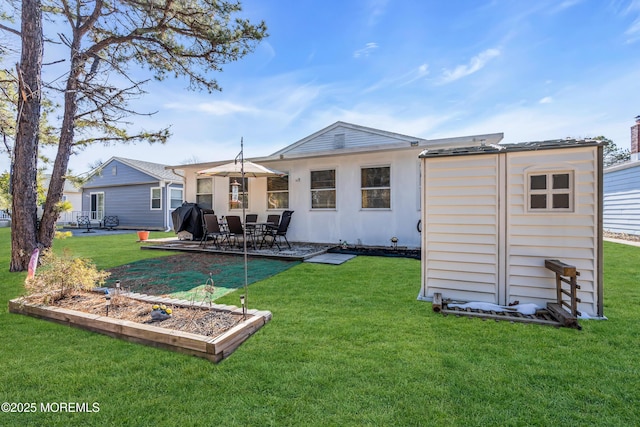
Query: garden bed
(402,252)
(211,331)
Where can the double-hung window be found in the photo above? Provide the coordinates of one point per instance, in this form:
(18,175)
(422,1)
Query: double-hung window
(375,183)
(176,198)
(323,189)
(550,191)
(278,192)
(156,198)
(204,193)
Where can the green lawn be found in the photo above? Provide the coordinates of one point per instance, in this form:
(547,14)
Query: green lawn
(348,345)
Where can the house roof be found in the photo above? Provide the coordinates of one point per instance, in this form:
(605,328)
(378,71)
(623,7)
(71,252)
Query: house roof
(503,148)
(155,170)
(69,186)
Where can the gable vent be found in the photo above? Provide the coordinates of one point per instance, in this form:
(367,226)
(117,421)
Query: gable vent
(338,140)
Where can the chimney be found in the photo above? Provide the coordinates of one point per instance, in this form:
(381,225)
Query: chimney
(635,140)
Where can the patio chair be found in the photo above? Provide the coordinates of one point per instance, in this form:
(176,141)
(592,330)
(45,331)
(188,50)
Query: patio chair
(110,222)
(85,221)
(212,230)
(277,232)
(250,221)
(273,219)
(234,228)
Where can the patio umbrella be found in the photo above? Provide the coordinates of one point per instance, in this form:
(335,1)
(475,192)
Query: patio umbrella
(235,169)
(240,168)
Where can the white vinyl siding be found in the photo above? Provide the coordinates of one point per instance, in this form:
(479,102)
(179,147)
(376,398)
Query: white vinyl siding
(460,234)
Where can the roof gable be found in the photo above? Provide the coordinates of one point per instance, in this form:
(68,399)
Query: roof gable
(155,171)
(342,136)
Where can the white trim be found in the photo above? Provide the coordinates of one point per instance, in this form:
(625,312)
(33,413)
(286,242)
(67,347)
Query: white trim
(334,188)
(151,198)
(549,191)
(376,188)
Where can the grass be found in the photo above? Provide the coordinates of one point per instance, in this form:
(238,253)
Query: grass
(348,345)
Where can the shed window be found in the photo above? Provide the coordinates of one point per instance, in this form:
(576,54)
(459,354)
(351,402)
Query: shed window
(278,192)
(204,193)
(376,187)
(156,198)
(550,192)
(323,189)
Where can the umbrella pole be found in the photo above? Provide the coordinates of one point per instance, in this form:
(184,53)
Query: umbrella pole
(244,228)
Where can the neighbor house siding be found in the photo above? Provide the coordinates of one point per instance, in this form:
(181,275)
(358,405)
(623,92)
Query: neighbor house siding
(131,203)
(460,234)
(621,213)
(123,174)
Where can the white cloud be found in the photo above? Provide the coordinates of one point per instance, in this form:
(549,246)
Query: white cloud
(475,64)
(366,50)
(546,100)
(214,108)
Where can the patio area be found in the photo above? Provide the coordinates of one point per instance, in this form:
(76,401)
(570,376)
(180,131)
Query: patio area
(299,251)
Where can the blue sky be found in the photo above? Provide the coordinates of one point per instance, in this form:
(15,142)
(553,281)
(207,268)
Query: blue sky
(534,70)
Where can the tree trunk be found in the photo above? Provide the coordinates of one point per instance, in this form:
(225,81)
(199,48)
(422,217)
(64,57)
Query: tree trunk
(65,145)
(24,178)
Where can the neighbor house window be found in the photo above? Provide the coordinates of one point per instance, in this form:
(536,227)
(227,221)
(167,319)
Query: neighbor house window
(236,195)
(376,187)
(278,192)
(156,198)
(550,191)
(204,193)
(176,197)
(323,189)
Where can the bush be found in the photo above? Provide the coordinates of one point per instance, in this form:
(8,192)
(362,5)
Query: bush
(64,274)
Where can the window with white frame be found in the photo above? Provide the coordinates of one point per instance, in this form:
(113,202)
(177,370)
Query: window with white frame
(175,197)
(204,193)
(156,198)
(323,189)
(236,195)
(550,191)
(375,183)
(278,192)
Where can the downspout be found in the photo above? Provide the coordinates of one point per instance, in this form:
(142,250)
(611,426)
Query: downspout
(167,206)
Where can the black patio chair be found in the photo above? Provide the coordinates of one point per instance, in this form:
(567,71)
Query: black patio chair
(273,219)
(277,232)
(234,228)
(85,221)
(211,230)
(110,222)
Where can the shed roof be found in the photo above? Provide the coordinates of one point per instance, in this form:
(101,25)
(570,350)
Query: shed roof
(513,147)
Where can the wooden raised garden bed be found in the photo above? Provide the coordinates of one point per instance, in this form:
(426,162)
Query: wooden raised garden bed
(213,348)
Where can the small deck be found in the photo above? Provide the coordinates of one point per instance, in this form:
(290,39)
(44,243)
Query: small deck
(298,252)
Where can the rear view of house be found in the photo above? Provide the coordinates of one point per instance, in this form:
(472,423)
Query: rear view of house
(492,215)
(141,194)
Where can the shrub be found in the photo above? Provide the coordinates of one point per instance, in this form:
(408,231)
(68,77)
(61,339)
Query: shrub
(64,274)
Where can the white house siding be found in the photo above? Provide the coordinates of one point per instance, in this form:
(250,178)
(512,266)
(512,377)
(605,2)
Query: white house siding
(348,222)
(621,199)
(460,243)
(571,237)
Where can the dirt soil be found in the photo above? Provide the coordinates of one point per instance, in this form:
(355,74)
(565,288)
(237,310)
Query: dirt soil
(194,320)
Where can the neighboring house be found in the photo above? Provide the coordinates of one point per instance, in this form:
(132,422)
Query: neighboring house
(141,194)
(493,214)
(71,194)
(345,183)
(622,191)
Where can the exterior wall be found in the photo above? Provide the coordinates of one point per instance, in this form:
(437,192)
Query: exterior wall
(621,212)
(132,205)
(348,222)
(127,194)
(572,237)
(460,227)
(481,243)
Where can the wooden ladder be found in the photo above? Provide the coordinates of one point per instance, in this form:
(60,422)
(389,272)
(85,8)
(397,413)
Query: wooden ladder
(565,274)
